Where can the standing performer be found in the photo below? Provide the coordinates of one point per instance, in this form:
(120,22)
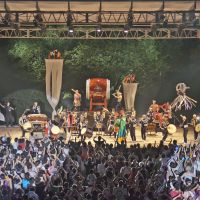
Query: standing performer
(77,100)
(154,106)
(9,118)
(144,124)
(194,122)
(185,128)
(35,108)
(133,123)
(121,123)
(163,127)
(118,97)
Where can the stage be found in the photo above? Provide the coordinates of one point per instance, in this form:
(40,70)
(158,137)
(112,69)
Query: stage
(151,138)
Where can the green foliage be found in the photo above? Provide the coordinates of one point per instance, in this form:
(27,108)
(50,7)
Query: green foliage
(116,59)
(150,60)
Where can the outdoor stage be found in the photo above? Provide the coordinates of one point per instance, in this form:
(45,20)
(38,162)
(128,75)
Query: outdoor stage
(151,138)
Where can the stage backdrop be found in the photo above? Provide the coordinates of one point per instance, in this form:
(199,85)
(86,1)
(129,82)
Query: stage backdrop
(53,82)
(129,90)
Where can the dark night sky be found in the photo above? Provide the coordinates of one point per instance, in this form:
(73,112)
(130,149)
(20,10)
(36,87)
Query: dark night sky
(12,78)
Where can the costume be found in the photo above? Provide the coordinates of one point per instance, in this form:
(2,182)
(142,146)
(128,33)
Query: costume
(185,129)
(164,130)
(133,124)
(77,101)
(121,123)
(194,123)
(35,109)
(144,124)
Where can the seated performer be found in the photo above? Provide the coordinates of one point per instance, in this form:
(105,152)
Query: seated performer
(118,97)
(35,108)
(77,100)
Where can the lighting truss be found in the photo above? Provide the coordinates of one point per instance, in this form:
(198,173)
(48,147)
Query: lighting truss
(36,19)
(138,33)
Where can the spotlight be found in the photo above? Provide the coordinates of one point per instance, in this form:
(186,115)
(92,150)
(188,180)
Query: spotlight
(126,28)
(99,28)
(71,29)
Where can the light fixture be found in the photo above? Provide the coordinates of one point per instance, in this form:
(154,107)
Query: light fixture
(99,28)
(126,28)
(71,29)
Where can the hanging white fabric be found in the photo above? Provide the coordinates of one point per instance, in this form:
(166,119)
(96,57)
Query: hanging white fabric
(54,69)
(129,90)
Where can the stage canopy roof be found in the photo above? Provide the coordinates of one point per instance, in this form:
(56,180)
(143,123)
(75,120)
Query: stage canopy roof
(24,17)
(48,5)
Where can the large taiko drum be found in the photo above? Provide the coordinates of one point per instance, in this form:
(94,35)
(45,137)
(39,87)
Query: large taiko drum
(98,91)
(98,85)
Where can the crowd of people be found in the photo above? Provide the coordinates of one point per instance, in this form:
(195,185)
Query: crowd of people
(54,170)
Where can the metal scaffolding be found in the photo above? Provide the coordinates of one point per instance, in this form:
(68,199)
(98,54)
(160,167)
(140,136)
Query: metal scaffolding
(162,33)
(136,19)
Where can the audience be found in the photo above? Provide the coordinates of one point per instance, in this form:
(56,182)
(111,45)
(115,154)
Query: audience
(52,170)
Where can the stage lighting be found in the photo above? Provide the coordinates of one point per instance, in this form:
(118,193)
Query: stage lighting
(71,29)
(99,28)
(126,28)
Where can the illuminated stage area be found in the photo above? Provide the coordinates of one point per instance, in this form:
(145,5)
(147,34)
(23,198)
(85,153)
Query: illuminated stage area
(99,100)
(151,137)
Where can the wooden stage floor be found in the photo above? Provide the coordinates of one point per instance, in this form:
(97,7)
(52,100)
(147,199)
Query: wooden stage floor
(151,138)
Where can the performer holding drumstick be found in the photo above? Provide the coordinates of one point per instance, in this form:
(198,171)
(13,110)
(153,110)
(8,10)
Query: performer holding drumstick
(118,97)
(77,100)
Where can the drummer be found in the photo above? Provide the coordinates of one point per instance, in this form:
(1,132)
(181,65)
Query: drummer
(164,129)
(184,125)
(144,124)
(35,109)
(194,122)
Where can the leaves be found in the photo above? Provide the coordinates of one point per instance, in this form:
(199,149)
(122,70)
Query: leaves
(148,59)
